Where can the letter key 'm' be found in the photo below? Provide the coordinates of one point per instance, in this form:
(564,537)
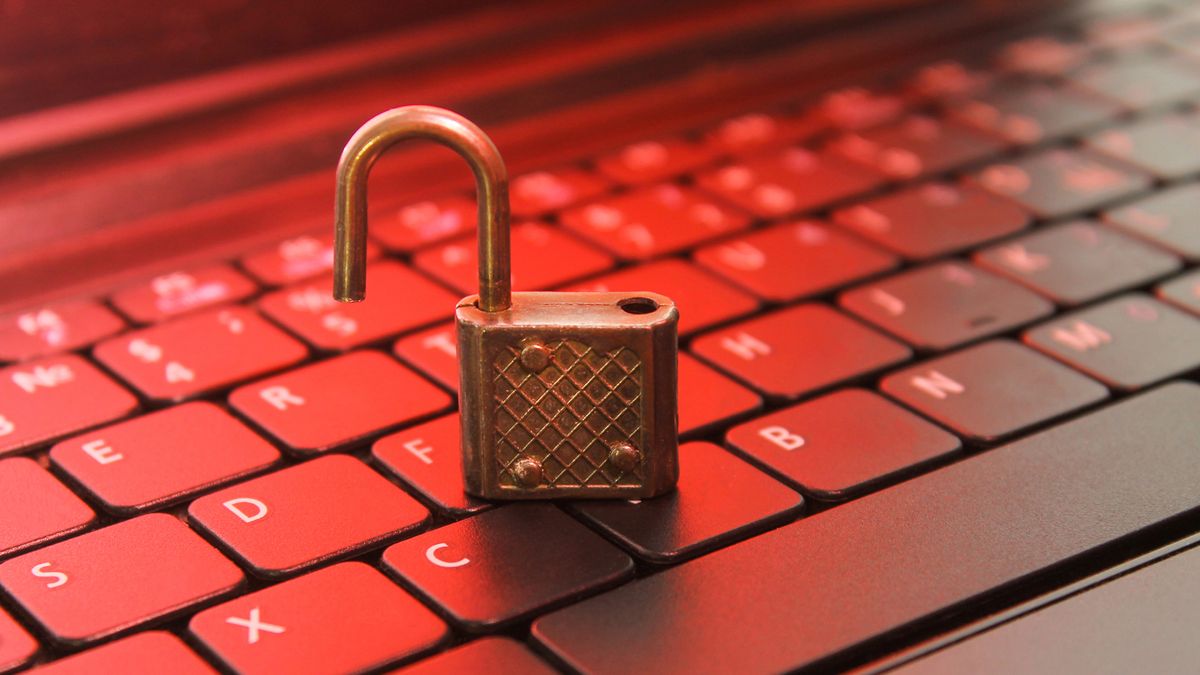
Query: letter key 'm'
(562,394)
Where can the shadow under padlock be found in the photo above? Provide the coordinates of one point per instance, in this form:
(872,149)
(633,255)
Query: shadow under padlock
(562,394)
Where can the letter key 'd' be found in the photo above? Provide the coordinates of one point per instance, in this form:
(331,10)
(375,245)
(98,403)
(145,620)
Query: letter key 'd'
(562,394)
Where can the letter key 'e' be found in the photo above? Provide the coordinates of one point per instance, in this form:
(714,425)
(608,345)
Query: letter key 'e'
(561,394)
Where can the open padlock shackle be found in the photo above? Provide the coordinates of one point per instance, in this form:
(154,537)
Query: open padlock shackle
(491,190)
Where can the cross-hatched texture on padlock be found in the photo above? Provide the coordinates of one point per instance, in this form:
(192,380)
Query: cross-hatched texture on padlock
(561,394)
(569,415)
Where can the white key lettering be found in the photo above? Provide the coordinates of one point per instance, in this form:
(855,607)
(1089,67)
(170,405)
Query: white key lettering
(432,556)
(235,505)
(254,625)
(59,578)
(101,451)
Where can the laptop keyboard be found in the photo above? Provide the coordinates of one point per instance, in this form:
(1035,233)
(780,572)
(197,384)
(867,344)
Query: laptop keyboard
(224,468)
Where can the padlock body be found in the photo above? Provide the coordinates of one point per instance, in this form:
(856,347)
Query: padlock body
(569,395)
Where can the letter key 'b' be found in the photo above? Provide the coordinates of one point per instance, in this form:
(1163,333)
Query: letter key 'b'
(562,394)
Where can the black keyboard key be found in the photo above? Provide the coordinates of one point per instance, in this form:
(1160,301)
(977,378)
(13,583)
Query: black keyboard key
(812,590)
(787,182)
(917,146)
(492,655)
(503,565)
(934,219)
(1168,146)
(774,353)
(1167,218)
(1140,621)
(1183,291)
(1033,113)
(1127,343)
(719,500)
(823,448)
(1140,81)
(1077,262)
(945,305)
(1057,183)
(993,390)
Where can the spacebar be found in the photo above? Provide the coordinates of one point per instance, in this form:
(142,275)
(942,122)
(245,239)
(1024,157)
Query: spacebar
(817,587)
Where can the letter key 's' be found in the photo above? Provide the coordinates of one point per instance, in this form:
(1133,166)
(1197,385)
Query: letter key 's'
(562,394)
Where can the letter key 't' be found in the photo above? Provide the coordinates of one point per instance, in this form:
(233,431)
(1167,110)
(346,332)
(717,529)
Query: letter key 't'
(562,394)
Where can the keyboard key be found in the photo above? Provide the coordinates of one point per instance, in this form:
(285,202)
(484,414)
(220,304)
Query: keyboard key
(433,352)
(1041,55)
(55,328)
(117,578)
(774,353)
(1166,218)
(1033,113)
(176,293)
(347,618)
(945,305)
(1127,343)
(918,146)
(1057,183)
(653,161)
(794,260)
(534,194)
(788,182)
(428,458)
(686,619)
(542,258)
(755,131)
(150,653)
(398,299)
(306,514)
(197,354)
(17,646)
(52,397)
(702,299)
(1183,292)
(336,402)
(1141,81)
(708,398)
(1168,146)
(652,221)
(719,500)
(296,259)
(414,226)
(934,219)
(492,655)
(857,108)
(993,390)
(163,457)
(545,557)
(823,448)
(1140,618)
(1077,262)
(36,507)
(949,81)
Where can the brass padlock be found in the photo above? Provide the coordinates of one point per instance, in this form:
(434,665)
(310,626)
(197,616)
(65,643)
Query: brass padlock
(561,394)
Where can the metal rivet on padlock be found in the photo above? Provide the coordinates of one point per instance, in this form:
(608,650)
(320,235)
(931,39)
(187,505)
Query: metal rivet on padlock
(535,356)
(603,421)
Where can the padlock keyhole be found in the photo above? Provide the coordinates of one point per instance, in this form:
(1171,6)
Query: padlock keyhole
(638,305)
